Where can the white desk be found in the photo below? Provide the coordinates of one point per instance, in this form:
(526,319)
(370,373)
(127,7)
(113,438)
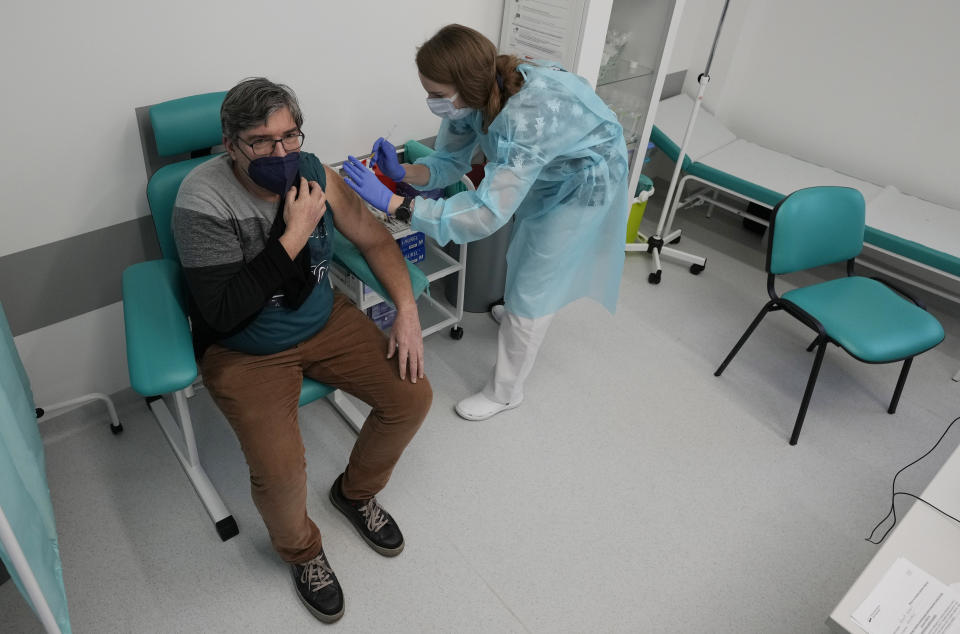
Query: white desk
(923,536)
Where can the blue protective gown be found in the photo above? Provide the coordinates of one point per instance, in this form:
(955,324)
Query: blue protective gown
(557,160)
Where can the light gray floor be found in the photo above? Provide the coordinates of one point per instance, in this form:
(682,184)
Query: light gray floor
(632,492)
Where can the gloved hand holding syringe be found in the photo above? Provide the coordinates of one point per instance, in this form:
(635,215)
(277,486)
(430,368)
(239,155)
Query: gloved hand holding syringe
(384,155)
(363,180)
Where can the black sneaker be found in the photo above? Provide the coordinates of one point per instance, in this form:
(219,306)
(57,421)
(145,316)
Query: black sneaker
(318,588)
(373,523)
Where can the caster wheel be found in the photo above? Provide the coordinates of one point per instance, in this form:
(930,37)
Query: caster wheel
(696,269)
(39,412)
(654,278)
(675,240)
(456,333)
(116,429)
(227,528)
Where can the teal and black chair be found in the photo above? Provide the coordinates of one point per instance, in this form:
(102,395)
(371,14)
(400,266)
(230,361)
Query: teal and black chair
(159,345)
(867,317)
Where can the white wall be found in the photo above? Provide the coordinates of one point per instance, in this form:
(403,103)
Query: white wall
(76,356)
(698,27)
(866,87)
(75,71)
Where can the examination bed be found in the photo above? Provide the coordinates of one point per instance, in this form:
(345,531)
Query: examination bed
(900,225)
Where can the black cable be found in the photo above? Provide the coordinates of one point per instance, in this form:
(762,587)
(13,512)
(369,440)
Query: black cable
(894,493)
(915,497)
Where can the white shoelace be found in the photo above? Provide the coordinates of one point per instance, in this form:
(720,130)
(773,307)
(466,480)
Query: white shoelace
(372,512)
(317,573)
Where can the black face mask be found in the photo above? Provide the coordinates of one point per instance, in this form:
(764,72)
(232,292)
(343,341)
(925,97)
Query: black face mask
(275,173)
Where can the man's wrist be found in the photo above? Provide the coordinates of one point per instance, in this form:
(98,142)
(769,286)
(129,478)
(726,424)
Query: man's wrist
(292,244)
(407,305)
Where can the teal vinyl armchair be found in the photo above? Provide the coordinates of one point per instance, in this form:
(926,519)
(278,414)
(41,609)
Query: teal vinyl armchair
(869,318)
(160,352)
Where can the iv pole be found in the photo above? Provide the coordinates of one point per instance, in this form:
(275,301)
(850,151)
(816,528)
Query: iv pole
(655,245)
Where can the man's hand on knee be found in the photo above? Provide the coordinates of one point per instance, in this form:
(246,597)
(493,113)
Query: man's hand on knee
(406,341)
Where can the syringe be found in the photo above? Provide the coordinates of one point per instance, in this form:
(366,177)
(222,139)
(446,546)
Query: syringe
(370,162)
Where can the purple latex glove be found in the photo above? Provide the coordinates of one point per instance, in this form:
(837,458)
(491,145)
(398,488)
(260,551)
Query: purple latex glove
(385,155)
(366,184)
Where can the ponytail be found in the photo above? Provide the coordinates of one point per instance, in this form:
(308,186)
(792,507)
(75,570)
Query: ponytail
(507,82)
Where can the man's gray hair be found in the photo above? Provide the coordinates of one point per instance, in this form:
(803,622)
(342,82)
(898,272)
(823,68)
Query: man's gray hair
(249,103)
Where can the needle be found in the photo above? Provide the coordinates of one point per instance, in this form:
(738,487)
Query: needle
(386,137)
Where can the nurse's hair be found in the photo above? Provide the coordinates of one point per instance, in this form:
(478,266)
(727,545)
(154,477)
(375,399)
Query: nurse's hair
(249,104)
(463,57)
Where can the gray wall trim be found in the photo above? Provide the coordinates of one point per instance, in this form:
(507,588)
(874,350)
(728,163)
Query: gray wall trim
(673,84)
(56,281)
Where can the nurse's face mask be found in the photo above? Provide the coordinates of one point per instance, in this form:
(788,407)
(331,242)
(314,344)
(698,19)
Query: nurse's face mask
(443,107)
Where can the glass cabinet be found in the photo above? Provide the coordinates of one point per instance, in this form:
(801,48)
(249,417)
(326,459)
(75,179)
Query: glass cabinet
(621,46)
(633,65)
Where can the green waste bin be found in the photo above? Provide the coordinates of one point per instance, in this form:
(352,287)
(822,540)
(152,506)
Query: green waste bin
(643,193)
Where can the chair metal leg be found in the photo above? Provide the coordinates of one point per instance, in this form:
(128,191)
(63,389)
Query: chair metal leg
(115,425)
(808,392)
(190,460)
(813,344)
(753,325)
(900,383)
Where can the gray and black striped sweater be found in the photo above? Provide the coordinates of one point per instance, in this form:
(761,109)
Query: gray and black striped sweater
(245,291)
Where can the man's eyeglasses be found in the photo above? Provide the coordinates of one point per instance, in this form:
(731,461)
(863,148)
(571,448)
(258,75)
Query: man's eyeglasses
(264,147)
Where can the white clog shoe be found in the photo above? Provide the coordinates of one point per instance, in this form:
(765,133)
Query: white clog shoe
(479,407)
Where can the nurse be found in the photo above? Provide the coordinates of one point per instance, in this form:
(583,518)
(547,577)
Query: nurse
(556,162)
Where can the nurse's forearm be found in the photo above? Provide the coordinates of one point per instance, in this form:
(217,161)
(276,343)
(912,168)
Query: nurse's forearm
(416,174)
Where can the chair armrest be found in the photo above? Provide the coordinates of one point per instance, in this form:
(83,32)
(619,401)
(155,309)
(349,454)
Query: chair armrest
(348,256)
(159,346)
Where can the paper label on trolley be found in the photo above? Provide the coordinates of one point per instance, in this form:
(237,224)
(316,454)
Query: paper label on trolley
(908,600)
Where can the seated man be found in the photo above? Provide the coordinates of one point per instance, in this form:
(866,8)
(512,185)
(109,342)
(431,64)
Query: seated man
(254,232)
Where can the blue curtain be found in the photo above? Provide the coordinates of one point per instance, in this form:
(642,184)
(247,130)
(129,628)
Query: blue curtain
(24,496)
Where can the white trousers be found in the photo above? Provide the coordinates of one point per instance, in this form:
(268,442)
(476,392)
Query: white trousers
(518,342)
